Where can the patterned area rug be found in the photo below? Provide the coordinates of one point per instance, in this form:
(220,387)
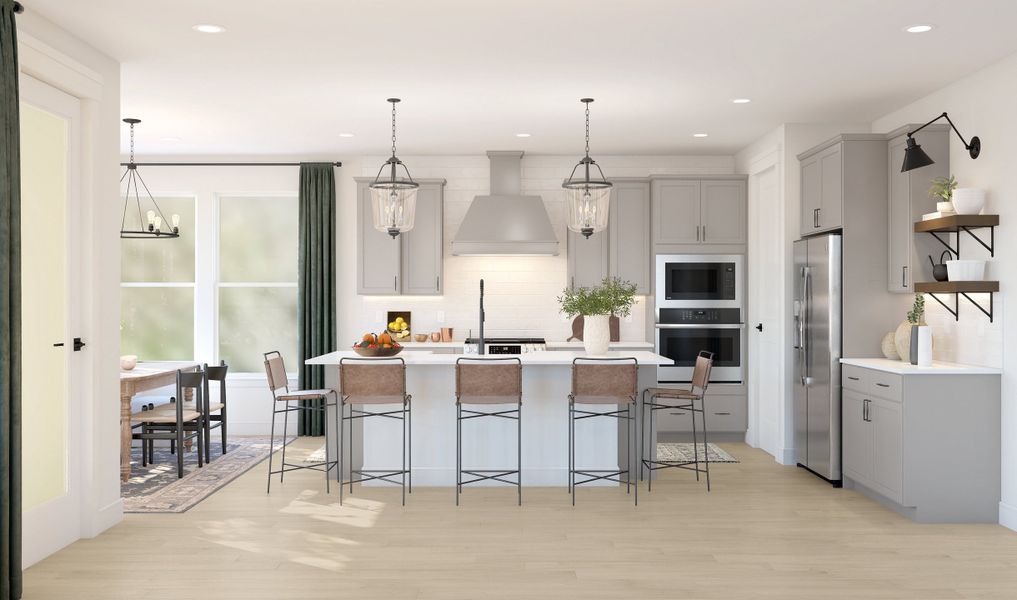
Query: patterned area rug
(156,488)
(683,451)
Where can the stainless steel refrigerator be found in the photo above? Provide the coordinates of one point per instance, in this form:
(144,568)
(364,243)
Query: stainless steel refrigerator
(817,352)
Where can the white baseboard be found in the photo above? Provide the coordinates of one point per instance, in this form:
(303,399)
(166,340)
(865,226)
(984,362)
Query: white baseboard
(1008,515)
(786,456)
(104,518)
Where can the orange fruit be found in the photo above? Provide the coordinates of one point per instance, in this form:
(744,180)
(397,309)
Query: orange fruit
(369,338)
(384,338)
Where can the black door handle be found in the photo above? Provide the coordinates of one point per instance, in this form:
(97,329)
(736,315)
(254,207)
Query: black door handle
(58,345)
(759,327)
(78,345)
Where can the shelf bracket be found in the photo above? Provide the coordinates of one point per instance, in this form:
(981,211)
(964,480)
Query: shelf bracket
(992,240)
(953,251)
(955,310)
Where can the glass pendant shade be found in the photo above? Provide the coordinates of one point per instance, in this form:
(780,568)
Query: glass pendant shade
(393,208)
(588,209)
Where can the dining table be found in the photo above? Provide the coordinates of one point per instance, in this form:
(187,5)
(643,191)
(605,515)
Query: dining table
(145,376)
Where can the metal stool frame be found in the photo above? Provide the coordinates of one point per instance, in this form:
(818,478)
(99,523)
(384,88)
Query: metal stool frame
(405,415)
(628,413)
(325,466)
(512,414)
(686,401)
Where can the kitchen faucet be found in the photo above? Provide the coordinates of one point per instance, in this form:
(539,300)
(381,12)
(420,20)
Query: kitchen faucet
(480,340)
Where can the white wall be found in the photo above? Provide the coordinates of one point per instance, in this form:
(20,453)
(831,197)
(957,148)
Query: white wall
(61,60)
(520,292)
(784,143)
(982,104)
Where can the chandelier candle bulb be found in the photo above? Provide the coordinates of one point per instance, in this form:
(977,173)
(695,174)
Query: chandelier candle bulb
(151,218)
(176,223)
(158,223)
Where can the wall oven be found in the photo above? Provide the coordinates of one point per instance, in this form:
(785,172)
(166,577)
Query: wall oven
(699,281)
(683,332)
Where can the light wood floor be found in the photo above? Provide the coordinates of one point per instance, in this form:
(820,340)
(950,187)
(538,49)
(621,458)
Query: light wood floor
(765,531)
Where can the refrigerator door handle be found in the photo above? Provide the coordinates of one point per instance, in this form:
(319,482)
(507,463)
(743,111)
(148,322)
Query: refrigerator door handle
(805,333)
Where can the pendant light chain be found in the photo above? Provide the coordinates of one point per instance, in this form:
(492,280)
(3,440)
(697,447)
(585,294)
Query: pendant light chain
(587,130)
(132,144)
(393,129)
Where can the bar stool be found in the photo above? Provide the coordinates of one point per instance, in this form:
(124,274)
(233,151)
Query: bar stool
(682,400)
(487,382)
(600,382)
(372,382)
(275,370)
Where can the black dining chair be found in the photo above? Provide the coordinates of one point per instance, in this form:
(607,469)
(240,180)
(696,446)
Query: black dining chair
(176,422)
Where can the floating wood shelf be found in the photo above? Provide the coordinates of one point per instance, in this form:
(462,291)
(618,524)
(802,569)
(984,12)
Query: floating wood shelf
(958,289)
(957,224)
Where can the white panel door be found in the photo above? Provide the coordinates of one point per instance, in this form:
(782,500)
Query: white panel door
(50,266)
(766,271)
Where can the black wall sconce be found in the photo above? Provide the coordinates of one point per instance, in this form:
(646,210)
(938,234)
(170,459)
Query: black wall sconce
(915,157)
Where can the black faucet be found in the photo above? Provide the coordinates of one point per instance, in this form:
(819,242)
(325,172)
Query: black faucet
(480,340)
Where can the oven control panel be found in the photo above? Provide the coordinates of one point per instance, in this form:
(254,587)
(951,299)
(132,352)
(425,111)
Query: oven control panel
(700,316)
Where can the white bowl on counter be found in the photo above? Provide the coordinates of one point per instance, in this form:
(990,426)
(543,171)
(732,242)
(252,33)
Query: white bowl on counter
(128,362)
(965,270)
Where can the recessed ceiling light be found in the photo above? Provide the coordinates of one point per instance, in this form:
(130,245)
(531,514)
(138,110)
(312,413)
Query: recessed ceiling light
(209,28)
(700,135)
(345,135)
(741,100)
(171,139)
(918,28)
(523,135)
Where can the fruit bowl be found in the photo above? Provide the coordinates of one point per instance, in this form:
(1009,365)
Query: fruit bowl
(378,352)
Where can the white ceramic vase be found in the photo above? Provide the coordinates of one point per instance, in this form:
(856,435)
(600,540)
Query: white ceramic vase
(968,201)
(596,334)
(924,346)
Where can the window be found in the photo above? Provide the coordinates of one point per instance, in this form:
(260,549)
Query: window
(157,290)
(257,281)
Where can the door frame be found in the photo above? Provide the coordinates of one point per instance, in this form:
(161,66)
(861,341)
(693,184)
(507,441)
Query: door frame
(759,283)
(57,522)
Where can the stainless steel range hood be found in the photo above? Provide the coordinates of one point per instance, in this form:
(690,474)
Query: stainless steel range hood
(506,222)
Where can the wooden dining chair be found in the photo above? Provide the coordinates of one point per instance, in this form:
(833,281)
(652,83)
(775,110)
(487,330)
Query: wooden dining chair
(176,422)
(215,412)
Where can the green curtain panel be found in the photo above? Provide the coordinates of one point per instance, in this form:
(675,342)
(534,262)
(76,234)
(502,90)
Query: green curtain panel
(10,310)
(316,289)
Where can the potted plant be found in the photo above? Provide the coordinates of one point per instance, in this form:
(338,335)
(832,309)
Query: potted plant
(596,305)
(942,191)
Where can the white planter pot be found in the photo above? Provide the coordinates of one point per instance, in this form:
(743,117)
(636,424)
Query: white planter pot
(596,334)
(924,346)
(968,201)
(965,270)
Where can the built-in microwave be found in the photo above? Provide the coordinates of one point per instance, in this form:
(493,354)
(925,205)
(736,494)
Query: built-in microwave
(699,280)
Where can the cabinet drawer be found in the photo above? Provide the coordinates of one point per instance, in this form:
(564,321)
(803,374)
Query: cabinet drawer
(723,413)
(856,378)
(886,385)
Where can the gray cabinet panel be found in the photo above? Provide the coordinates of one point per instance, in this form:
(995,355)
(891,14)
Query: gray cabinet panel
(857,437)
(885,421)
(421,268)
(832,194)
(900,227)
(629,234)
(587,259)
(811,195)
(723,206)
(676,210)
(378,254)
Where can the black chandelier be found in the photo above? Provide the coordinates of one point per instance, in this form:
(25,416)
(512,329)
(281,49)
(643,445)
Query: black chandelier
(587,198)
(393,199)
(915,157)
(151,224)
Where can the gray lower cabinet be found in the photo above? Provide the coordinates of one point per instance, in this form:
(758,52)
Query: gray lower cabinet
(927,445)
(699,210)
(724,414)
(621,251)
(410,263)
(908,200)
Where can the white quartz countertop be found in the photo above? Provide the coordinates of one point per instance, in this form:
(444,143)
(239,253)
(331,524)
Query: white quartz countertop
(458,345)
(550,357)
(900,367)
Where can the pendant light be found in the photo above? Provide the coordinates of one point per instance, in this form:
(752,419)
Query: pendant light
(587,199)
(393,200)
(151,223)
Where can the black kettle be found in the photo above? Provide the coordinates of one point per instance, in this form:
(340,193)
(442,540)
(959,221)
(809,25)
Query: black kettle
(939,270)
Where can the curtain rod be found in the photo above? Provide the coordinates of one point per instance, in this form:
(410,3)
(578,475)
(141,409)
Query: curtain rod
(220,164)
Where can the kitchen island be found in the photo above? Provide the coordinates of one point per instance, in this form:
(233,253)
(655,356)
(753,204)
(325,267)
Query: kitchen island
(490,443)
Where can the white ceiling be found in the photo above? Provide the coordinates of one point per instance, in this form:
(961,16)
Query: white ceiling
(288,77)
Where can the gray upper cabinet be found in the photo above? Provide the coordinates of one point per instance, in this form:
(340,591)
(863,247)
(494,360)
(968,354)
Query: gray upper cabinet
(723,210)
(676,208)
(412,262)
(822,191)
(587,257)
(699,210)
(908,200)
(629,233)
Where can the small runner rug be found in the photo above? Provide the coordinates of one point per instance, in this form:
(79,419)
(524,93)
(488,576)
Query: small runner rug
(684,451)
(156,488)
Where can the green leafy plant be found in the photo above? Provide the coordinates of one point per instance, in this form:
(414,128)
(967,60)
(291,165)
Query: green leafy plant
(942,188)
(917,314)
(612,297)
